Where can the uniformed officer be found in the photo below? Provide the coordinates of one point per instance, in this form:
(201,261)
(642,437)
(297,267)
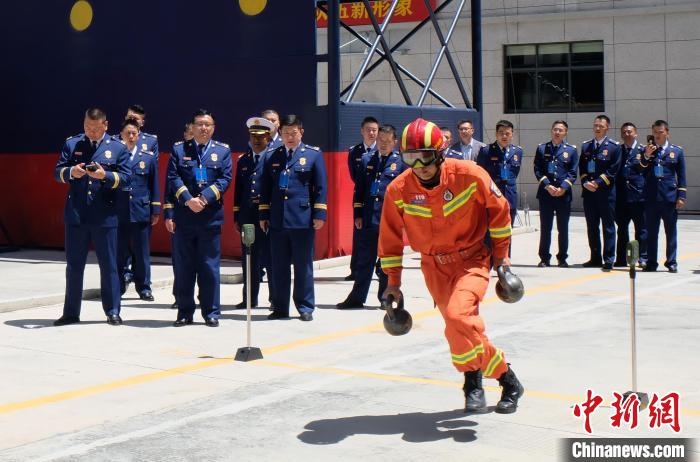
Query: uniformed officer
(138,206)
(502,161)
(467,145)
(94,166)
(147,141)
(599,164)
(199,171)
(379,169)
(664,193)
(446,135)
(273,116)
(292,207)
(169,215)
(555,170)
(629,196)
(368,130)
(246,198)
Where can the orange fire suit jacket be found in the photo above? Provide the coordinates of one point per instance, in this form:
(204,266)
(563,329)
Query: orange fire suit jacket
(453,216)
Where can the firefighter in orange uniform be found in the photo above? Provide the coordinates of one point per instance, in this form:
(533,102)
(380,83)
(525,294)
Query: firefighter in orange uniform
(445,206)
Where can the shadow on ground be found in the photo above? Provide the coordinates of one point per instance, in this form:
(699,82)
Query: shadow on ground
(415,427)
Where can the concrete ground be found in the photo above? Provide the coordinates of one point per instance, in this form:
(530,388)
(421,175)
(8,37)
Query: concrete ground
(340,388)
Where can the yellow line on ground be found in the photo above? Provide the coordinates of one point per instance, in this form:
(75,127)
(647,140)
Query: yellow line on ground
(150,377)
(420,380)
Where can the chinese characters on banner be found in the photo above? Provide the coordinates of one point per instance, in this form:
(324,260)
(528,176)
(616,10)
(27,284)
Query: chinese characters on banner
(355,14)
(663,410)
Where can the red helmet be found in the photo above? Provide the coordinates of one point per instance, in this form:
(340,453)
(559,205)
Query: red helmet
(422,135)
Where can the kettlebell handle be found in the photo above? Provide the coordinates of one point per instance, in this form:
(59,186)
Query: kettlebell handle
(388,305)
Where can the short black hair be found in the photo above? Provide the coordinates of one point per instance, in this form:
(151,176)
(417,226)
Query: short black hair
(562,122)
(368,120)
(291,120)
(388,128)
(187,126)
(660,123)
(504,123)
(130,121)
(269,111)
(628,124)
(465,121)
(95,113)
(137,108)
(603,117)
(446,129)
(202,113)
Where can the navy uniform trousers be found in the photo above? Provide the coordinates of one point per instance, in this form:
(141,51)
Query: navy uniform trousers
(654,213)
(549,207)
(78,238)
(366,261)
(634,212)
(296,247)
(599,208)
(134,237)
(198,250)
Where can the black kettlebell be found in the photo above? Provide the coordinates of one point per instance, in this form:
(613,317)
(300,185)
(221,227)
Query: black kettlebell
(509,287)
(397,321)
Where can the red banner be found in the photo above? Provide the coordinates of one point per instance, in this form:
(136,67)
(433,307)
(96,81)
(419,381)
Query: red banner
(355,14)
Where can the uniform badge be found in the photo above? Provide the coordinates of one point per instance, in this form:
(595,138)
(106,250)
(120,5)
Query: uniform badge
(302,161)
(108,154)
(418,199)
(214,157)
(515,157)
(393,167)
(495,190)
(78,153)
(605,153)
(144,147)
(447,195)
(186,158)
(672,155)
(142,164)
(566,155)
(639,156)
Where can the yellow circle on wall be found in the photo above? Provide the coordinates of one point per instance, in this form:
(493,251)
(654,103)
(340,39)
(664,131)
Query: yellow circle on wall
(252,7)
(81,15)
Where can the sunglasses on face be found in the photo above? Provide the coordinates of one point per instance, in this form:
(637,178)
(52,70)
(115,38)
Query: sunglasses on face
(419,158)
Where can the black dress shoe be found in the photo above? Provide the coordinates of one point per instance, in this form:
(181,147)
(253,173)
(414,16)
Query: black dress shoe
(174,306)
(212,322)
(243,306)
(306,317)
(607,266)
(114,320)
(349,304)
(562,264)
(182,322)
(65,320)
(672,268)
(620,264)
(146,295)
(277,315)
(543,264)
(350,277)
(593,264)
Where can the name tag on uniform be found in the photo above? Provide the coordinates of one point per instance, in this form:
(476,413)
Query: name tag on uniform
(550,167)
(591,166)
(200,174)
(505,172)
(284,180)
(658,171)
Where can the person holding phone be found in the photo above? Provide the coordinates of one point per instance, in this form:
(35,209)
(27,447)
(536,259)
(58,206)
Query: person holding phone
(94,166)
(665,193)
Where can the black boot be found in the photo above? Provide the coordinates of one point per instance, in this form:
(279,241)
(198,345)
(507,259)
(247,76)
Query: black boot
(512,391)
(475,400)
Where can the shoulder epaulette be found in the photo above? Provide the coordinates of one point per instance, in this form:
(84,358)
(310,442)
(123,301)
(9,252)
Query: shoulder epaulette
(315,148)
(542,144)
(119,141)
(273,149)
(148,152)
(222,144)
(515,145)
(149,134)
(241,155)
(74,136)
(572,145)
(179,143)
(353,147)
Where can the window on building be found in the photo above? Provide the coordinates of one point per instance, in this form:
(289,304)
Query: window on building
(554,77)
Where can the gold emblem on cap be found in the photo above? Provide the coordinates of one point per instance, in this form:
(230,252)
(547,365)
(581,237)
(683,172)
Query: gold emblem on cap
(108,154)
(214,157)
(302,161)
(142,164)
(256,122)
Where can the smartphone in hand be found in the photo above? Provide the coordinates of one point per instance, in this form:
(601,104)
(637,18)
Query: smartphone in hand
(91,167)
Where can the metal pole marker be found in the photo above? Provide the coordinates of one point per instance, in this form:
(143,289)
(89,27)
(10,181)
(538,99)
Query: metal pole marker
(248,353)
